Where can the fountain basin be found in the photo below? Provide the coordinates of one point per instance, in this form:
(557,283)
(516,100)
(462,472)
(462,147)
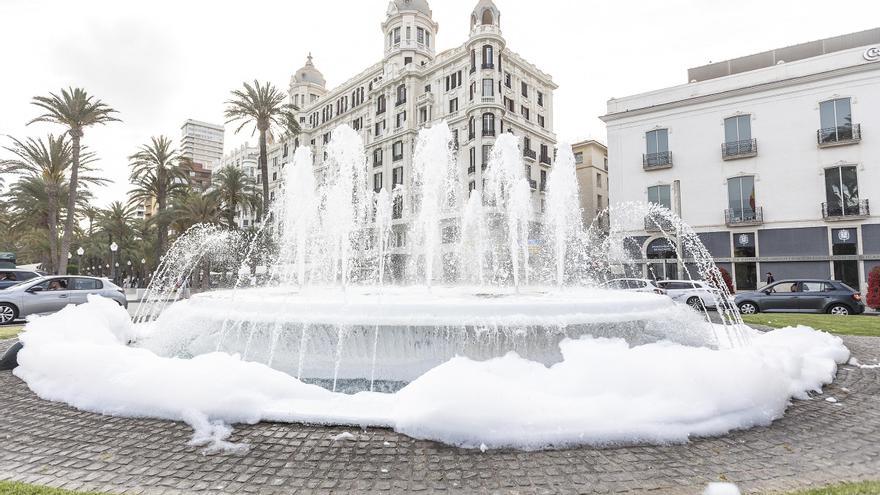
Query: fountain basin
(367,337)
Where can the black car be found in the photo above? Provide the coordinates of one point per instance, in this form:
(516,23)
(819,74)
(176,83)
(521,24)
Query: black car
(802,296)
(13,276)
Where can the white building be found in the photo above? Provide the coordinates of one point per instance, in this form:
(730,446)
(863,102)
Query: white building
(481,88)
(774,156)
(202,142)
(247,158)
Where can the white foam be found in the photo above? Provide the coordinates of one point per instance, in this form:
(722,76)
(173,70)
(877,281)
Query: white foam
(604,391)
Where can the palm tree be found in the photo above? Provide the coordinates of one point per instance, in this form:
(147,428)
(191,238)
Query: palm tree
(264,107)
(76,110)
(156,173)
(235,189)
(48,161)
(194,208)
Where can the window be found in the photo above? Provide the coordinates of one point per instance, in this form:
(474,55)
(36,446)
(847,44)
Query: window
(397,213)
(738,135)
(540,99)
(453,81)
(408,33)
(380,104)
(401,94)
(488,88)
(473,60)
(524,110)
(377,157)
(380,128)
(86,284)
(525,89)
(472,125)
(598,180)
(660,195)
(488,124)
(420,35)
(397,176)
(397,151)
(488,57)
(473,160)
(326,137)
(396,34)
(741,198)
(377,181)
(658,142)
(274,176)
(836,120)
(453,105)
(841,191)
(579,157)
(357,123)
(545,154)
(471,187)
(284,152)
(401,119)
(423,115)
(455,138)
(508,104)
(508,81)
(407,60)
(473,89)
(543,179)
(487,151)
(541,120)
(599,202)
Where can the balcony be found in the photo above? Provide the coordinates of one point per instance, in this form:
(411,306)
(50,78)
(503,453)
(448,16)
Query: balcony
(531,154)
(488,132)
(533,184)
(839,136)
(543,186)
(545,159)
(849,210)
(488,99)
(657,161)
(654,223)
(744,218)
(739,149)
(400,102)
(489,66)
(472,169)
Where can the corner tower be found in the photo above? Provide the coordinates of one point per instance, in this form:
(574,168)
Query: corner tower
(410,33)
(307,84)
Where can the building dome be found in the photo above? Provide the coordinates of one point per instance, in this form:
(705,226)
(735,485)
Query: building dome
(410,5)
(309,74)
(486,13)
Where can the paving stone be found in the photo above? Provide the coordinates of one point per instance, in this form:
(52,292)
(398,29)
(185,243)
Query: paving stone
(815,443)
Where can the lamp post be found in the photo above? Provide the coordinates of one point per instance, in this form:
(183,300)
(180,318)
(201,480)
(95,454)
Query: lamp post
(128,270)
(80,252)
(113,248)
(69,257)
(107,267)
(144,271)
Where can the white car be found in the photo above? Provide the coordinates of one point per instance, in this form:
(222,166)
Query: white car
(634,285)
(695,293)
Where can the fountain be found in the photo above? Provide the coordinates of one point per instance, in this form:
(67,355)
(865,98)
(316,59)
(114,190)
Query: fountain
(471,315)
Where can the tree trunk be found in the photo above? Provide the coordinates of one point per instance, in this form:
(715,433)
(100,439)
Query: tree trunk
(52,224)
(75,135)
(264,169)
(161,222)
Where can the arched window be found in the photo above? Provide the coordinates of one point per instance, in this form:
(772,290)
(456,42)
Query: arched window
(401,94)
(473,20)
(380,104)
(488,124)
(472,128)
(488,57)
(487,17)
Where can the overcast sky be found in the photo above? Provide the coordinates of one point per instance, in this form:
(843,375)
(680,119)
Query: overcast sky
(160,62)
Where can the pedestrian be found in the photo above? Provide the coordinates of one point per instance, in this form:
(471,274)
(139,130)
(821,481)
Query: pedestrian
(770,278)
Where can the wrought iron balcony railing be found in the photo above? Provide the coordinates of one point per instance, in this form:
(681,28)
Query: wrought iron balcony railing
(734,217)
(545,159)
(488,132)
(842,210)
(653,161)
(543,186)
(530,154)
(533,183)
(739,149)
(472,169)
(840,135)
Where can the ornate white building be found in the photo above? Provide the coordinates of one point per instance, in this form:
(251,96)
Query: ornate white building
(481,88)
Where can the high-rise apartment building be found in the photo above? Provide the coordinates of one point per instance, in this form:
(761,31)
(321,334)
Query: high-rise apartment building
(202,143)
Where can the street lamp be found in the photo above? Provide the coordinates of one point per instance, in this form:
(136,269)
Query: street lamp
(113,248)
(144,271)
(80,252)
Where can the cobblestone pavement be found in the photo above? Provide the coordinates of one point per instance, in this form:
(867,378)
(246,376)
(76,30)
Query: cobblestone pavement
(817,442)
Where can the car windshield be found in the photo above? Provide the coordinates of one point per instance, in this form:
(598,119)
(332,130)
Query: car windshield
(847,287)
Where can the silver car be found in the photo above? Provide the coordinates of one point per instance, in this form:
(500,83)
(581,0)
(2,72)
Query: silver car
(45,295)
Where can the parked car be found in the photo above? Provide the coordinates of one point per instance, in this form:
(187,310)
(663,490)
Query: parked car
(14,276)
(45,295)
(695,293)
(634,285)
(802,296)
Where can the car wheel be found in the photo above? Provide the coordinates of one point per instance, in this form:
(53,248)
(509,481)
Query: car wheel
(748,308)
(696,303)
(839,310)
(8,313)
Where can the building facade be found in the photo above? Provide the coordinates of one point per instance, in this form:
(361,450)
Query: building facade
(480,88)
(591,164)
(246,158)
(769,156)
(202,143)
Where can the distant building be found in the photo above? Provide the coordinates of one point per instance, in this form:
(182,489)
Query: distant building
(591,162)
(202,143)
(774,173)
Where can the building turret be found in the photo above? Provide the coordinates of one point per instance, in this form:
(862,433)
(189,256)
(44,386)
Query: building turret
(307,84)
(410,33)
(485,16)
